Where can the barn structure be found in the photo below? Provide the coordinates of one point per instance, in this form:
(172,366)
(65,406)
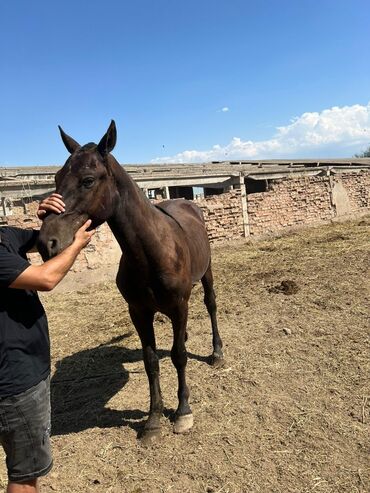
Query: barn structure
(239,199)
(272,195)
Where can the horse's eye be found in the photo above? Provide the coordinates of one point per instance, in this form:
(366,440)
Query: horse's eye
(88,182)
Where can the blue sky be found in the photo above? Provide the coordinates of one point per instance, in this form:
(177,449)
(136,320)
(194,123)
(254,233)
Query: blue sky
(185,81)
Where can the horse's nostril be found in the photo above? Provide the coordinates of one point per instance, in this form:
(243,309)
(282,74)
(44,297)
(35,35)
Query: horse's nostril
(53,246)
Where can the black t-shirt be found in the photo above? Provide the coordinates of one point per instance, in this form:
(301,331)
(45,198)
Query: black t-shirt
(24,338)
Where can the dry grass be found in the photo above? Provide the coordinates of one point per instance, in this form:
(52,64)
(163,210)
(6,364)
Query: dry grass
(288,413)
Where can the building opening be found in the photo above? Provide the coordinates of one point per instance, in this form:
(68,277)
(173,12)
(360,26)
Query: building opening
(255,186)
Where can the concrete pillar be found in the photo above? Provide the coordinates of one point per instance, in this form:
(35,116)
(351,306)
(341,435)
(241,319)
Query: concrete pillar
(166,193)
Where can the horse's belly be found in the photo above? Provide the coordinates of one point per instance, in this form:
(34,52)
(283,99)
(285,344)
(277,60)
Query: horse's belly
(190,219)
(200,258)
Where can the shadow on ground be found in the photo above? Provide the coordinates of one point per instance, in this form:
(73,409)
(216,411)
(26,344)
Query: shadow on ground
(84,383)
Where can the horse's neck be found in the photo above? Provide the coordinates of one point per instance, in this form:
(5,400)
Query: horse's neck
(131,221)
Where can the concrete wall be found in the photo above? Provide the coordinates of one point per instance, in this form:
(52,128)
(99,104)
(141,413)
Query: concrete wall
(357,192)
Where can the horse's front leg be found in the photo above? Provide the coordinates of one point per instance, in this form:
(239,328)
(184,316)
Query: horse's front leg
(184,416)
(143,321)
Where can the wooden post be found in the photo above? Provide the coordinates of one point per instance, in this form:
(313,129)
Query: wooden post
(243,197)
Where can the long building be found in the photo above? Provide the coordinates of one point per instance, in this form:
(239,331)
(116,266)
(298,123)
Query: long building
(239,199)
(24,184)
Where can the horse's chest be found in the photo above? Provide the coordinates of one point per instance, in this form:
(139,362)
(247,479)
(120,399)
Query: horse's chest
(151,291)
(135,287)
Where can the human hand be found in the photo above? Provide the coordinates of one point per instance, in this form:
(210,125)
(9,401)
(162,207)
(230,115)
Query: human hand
(53,203)
(82,236)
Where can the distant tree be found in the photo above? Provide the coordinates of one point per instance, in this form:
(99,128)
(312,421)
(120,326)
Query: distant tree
(366,153)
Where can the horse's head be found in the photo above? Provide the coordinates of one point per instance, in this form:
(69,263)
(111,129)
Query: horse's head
(88,189)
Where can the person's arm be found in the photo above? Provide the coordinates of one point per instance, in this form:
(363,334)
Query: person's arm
(46,276)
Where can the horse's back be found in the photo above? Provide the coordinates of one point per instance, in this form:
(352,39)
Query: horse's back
(190,219)
(182,210)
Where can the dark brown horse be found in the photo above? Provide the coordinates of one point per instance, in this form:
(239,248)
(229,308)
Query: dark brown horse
(165,251)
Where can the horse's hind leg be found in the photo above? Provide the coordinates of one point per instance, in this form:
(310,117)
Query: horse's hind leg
(143,321)
(184,417)
(217,356)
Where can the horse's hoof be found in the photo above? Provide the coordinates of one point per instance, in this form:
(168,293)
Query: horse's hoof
(183,423)
(148,437)
(216,360)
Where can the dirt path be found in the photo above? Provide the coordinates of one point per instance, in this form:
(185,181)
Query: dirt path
(289,412)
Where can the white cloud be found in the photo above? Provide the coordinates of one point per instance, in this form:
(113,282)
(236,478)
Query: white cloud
(225,109)
(334,132)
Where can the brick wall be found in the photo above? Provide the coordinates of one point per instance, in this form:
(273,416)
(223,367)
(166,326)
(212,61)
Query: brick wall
(223,215)
(289,203)
(295,202)
(99,260)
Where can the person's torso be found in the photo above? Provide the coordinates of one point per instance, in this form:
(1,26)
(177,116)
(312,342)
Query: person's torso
(24,339)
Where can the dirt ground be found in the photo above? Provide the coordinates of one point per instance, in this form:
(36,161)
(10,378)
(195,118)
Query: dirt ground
(289,411)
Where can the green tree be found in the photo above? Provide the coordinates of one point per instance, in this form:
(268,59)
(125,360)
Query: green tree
(365,153)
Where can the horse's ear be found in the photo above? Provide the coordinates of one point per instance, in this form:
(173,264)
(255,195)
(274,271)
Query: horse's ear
(70,143)
(107,143)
